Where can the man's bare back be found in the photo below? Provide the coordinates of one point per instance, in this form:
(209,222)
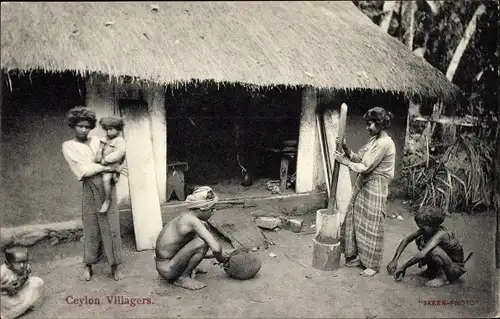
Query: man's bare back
(175,235)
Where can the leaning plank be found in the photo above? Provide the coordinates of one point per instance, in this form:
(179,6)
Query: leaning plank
(238,226)
(144,196)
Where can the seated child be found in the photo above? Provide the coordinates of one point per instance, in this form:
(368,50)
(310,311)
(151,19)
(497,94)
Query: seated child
(19,291)
(438,247)
(111,153)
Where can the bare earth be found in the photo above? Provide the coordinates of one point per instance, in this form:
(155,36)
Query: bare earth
(287,285)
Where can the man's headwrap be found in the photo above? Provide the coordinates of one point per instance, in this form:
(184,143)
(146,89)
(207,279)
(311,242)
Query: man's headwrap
(203,198)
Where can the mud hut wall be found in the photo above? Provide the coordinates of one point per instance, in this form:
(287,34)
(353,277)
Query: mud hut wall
(36,184)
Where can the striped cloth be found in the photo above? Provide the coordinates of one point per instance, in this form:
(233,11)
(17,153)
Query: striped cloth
(362,232)
(101,232)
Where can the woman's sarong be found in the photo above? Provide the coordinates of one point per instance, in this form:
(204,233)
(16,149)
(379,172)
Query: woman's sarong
(363,228)
(101,231)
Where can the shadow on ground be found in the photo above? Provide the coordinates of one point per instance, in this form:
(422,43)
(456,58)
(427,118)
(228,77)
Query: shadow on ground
(287,285)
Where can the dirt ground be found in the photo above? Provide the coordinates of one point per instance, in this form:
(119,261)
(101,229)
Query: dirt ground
(286,286)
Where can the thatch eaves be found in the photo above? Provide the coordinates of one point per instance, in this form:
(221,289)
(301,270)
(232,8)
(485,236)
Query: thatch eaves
(320,44)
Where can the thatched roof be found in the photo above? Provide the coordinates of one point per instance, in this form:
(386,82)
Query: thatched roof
(322,44)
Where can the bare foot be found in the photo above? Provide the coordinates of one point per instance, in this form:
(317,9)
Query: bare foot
(104,207)
(198,270)
(437,282)
(189,283)
(118,275)
(353,263)
(368,272)
(428,273)
(87,273)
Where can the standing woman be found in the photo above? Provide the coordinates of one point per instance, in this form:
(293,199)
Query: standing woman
(101,230)
(363,228)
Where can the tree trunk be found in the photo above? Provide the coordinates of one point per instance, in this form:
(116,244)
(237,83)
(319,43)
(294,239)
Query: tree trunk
(412,22)
(496,191)
(459,51)
(496,185)
(389,7)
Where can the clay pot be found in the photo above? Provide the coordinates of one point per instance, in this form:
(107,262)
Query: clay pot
(246,179)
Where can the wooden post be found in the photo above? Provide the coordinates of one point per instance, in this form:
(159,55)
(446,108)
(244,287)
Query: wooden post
(155,96)
(101,98)
(146,210)
(306,152)
(283,172)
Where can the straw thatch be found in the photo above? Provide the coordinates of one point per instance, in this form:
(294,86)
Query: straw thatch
(322,44)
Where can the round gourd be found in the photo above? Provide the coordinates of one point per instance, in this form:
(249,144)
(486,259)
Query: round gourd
(243,266)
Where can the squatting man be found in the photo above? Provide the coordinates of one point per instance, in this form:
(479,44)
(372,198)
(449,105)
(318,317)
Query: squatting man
(185,241)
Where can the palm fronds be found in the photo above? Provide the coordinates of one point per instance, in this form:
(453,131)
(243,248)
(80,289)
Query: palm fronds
(458,180)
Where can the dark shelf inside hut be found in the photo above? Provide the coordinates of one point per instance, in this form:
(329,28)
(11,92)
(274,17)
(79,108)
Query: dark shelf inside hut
(209,127)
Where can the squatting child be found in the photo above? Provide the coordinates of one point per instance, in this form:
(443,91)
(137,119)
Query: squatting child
(111,153)
(438,247)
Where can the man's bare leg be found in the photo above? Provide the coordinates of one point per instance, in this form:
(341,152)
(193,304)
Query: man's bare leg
(179,269)
(106,180)
(198,270)
(186,280)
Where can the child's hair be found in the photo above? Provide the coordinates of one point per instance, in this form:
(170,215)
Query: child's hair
(10,252)
(112,122)
(430,216)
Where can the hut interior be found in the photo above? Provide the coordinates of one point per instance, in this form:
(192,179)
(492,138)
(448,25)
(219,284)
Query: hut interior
(230,134)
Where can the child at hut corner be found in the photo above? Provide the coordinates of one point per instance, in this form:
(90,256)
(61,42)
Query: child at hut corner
(438,247)
(19,291)
(111,153)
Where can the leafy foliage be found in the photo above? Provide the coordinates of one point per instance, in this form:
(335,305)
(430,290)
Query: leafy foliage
(458,180)
(438,34)
(459,176)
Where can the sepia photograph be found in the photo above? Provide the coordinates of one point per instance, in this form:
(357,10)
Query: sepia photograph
(250,159)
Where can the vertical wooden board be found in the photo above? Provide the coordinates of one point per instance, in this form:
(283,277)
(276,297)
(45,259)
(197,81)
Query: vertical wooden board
(283,172)
(142,177)
(307,152)
(101,99)
(344,187)
(155,96)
